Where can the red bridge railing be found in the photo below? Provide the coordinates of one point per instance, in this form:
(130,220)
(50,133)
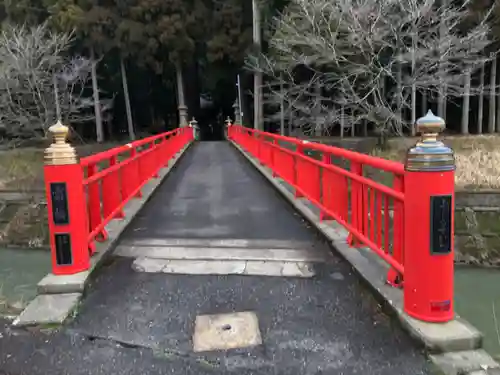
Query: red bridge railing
(374,213)
(345,195)
(84,196)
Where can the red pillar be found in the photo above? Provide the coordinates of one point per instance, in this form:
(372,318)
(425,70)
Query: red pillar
(429,188)
(67,208)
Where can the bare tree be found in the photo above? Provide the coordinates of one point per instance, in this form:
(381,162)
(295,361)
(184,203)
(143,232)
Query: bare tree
(480,110)
(97,102)
(39,83)
(372,57)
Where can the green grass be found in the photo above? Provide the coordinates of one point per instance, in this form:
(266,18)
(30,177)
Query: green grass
(21,170)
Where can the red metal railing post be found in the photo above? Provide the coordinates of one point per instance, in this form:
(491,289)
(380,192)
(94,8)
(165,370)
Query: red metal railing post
(393,277)
(273,148)
(143,162)
(357,204)
(253,143)
(327,159)
(134,172)
(299,150)
(167,146)
(66,204)
(94,203)
(151,161)
(94,199)
(156,162)
(259,140)
(112,192)
(428,225)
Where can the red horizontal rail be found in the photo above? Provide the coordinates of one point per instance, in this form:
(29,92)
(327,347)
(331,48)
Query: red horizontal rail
(373,184)
(106,155)
(372,161)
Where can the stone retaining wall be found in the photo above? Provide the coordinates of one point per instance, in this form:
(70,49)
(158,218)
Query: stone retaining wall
(477,228)
(23,219)
(477,224)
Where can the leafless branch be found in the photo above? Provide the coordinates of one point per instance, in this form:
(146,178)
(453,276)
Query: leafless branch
(368,55)
(37,77)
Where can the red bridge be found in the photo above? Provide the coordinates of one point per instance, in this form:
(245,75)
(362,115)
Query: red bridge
(188,248)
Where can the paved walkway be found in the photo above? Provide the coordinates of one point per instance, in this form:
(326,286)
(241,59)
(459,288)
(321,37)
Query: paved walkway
(143,322)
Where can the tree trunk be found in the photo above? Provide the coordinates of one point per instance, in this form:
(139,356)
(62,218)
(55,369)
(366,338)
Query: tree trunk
(424,103)
(413,85)
(353,125)
(240,104)
(382,87)
(180,96)
(257,92)
(399,84)
(191,85)
(318,129)
(466,102)
(498,104)
(7,5)
(493,79)
(282,108)
(126,96)
(442,85)
(97,103)
(445,101)
(480,110)
(56,98)
(342,123)
(413,129)
(246,81)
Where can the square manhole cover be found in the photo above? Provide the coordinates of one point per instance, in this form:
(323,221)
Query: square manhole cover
(226,331)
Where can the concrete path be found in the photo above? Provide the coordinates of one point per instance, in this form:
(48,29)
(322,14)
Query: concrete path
(218,216)
(135,322)
(214,194)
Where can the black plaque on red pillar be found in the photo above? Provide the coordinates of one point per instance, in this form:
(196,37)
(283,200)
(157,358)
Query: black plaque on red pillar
(64,256)
(440,224)
(59,196)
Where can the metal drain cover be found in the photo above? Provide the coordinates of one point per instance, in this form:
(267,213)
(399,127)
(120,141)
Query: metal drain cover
(226,331)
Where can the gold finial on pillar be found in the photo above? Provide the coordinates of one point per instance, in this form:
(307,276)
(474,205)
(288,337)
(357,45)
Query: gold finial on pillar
(430,154)
(60,152)
(429,127)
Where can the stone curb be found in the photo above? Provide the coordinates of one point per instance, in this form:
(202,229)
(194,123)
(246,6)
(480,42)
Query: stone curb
(58,296)
(455,336)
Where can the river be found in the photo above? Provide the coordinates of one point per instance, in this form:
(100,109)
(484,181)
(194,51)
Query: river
(477,299)
(20,272)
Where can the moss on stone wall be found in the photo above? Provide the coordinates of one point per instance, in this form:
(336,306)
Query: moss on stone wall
(477,237)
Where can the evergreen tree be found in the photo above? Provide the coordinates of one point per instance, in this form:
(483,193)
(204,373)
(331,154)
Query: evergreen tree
(203,41)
